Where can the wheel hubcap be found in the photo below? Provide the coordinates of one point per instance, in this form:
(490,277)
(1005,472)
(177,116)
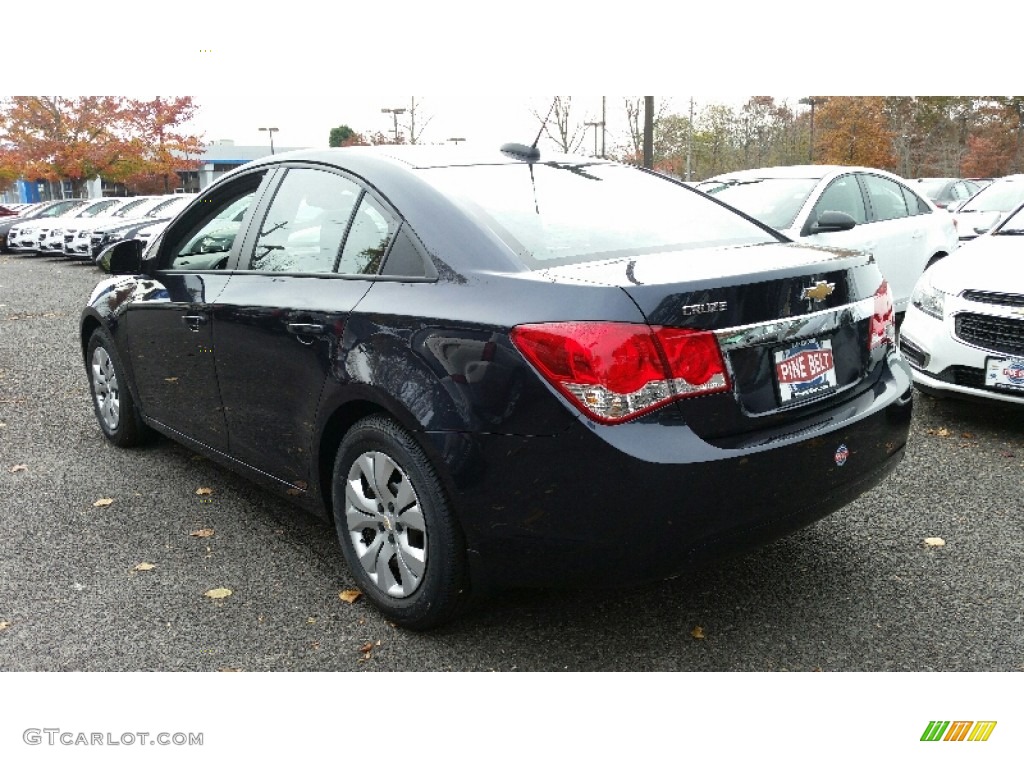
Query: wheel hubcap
(105,389)
(385,524)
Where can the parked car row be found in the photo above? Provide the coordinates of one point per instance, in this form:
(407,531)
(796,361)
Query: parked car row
(81,231)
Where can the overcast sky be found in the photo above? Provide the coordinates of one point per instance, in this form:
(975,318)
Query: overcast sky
(479,71)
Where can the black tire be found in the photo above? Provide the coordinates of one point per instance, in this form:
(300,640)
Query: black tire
(409,527)
(114,406)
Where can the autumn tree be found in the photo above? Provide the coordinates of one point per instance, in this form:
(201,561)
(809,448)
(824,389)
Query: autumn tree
(158,146)
(57,137)
(852,130)
(79,138)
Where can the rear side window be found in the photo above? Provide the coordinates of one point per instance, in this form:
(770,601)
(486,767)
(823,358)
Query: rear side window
(915,203)
(368,239)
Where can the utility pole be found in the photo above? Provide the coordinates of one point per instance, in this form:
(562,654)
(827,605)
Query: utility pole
(812,102)
(689,144)
(596,126)
(648,131)
(603,128)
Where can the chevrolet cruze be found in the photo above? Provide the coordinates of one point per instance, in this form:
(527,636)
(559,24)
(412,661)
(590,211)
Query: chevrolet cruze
(502,368)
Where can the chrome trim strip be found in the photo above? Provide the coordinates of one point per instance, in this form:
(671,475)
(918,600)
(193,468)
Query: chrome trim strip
(792,328)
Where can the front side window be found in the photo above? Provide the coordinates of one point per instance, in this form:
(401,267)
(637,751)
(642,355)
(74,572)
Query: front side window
(886,196)
(305,225)
(204,235)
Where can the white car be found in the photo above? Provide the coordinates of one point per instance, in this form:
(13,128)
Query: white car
(52,240)
(79,244)
(846,207)
(964,332)
(983,211)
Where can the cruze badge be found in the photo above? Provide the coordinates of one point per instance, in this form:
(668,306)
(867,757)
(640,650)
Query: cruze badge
(818,291)
(701,309)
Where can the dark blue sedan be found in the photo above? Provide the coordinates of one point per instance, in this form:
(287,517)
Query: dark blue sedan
(503,368)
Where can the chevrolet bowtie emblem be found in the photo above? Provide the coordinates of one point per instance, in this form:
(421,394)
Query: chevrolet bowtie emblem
(818,291)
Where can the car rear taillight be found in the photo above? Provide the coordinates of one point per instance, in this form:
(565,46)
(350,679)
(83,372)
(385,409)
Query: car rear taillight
(883,321)
(614,372)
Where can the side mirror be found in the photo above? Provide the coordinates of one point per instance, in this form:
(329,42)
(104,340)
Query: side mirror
(833,221)
(121,258)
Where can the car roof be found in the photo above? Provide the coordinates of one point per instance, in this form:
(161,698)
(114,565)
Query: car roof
(795,172)
(416,156)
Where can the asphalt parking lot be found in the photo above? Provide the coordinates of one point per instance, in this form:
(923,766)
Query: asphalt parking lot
(859,590)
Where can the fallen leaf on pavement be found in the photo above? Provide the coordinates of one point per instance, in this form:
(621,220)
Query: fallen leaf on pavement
(202,533)
(350,595)
(934,541)
(4,625)
(103,502)
(967,435)
(171,379)
(366,648)
(217,594)
(204,491)
(230,669)
(144,567)
(19,467)
(940,432)
(697,633)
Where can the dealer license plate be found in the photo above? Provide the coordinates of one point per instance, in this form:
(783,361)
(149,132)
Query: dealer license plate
(805,369)
(1005,373)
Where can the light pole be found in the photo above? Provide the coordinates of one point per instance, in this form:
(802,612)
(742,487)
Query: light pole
(271,132)
(395,113)
(812,102)
(596,124)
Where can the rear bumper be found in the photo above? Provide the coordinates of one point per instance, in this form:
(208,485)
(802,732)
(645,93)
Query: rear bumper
(638,502)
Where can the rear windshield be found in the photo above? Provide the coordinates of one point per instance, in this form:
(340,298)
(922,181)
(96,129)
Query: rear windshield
(933,187)
(776,202)
(553,213)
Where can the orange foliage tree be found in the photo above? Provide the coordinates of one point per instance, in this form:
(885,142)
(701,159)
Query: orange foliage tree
(852,130)
(159,148)
(79,138)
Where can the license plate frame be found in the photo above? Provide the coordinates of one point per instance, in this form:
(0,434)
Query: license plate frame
(805,370)
(998,376)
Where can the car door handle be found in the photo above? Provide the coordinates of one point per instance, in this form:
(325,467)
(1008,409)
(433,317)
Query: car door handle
(193,321)
(306,329)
